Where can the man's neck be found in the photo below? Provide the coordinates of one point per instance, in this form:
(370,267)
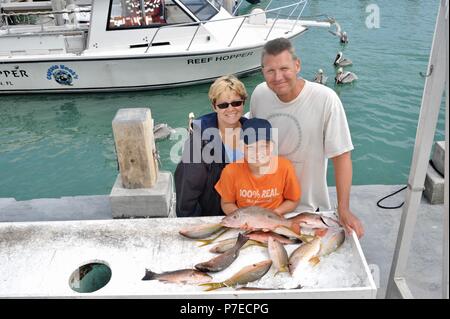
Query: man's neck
(292,96)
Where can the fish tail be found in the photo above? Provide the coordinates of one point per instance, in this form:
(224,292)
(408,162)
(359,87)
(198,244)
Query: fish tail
(241,240)
(209,241)
(213,285)
(149,275)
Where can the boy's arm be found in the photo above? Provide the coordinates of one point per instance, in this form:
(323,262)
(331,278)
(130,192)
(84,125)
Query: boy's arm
(286,207)
(228,207)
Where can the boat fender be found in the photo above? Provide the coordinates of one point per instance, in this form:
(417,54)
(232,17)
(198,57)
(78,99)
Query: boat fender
(257,17)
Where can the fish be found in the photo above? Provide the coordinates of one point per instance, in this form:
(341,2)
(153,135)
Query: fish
(211,240)
(247,274)
(182,276)
(310,220)
(200,231)
(225,259)
(263,237)
(310,233)
(278,255)
(258,218)
(226,244)
(334,238)
(306,252)
(281,230)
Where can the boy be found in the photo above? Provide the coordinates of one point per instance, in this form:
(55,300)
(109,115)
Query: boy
(261,178)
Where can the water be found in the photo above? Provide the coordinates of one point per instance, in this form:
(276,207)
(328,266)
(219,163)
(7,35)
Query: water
(62,145)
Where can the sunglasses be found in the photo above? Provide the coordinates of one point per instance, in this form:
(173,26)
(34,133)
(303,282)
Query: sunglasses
(224,105)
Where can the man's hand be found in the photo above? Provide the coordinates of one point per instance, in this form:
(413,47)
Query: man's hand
(350,222)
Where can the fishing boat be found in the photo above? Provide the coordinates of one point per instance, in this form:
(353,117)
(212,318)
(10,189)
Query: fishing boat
(114,45)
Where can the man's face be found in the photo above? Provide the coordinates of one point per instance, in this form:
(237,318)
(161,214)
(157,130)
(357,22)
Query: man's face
(280,72)
(258,153)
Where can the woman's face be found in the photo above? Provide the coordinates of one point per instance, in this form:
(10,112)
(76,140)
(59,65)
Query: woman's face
(229,116)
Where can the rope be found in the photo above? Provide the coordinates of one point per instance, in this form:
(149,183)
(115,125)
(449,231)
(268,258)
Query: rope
(391,207)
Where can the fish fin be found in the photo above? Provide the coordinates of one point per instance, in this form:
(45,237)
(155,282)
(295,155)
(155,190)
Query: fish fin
(257,243)
(149,275)
(307,238)
(213,285)
(204,242)
(296,228)
(314,261)
(320,231)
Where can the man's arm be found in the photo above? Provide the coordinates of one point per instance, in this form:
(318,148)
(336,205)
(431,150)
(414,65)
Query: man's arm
(343,175)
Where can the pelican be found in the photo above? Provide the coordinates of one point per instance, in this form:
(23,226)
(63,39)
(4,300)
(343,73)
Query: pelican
(320,77)
(341,61)
(344,77)
(342,35)
(162,131)
(191,119)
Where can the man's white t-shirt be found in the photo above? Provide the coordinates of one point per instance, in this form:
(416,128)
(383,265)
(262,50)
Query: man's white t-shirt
(311,128)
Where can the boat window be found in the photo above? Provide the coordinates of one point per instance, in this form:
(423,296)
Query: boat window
(202,9)
(124,14)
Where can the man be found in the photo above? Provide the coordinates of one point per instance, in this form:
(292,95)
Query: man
(312,127)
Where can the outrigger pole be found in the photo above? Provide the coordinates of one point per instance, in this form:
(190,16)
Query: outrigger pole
(436,84)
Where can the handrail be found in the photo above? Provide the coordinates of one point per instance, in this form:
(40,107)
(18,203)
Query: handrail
(4,16)
(245,16)
(298,17)
(235,34)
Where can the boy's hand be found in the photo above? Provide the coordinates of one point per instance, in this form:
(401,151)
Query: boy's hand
(278,212)
(350,222)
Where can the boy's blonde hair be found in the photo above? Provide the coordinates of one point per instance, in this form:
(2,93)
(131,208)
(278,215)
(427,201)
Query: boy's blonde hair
(226,82)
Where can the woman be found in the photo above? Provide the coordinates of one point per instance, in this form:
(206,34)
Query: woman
(213,143)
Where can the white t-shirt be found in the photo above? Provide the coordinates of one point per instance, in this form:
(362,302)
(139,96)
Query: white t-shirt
(311,128)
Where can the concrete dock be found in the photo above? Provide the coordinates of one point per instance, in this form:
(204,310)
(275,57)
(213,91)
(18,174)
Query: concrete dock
(381,227)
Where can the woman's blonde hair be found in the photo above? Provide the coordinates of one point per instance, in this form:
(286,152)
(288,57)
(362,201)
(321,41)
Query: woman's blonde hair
(226,82)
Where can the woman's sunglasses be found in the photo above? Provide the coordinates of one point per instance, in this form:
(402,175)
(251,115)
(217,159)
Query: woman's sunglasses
(224,105)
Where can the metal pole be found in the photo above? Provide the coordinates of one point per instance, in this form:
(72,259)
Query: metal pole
(445,254)
(193,37)
(237,31)
(429,111)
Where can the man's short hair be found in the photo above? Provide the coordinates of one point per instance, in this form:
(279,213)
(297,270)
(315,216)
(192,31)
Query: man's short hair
(277,46)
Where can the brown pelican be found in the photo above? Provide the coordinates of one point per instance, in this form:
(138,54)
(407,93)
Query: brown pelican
(162,131)
(191,119)
(343,37)
(344,77)
(320,77)
(341,61)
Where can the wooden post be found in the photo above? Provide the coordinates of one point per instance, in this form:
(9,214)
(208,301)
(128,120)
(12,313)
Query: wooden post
(135,147)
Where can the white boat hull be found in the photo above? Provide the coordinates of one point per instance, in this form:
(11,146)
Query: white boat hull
(124,73)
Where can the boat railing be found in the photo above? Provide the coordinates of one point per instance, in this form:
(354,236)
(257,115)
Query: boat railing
(33,18)
(276,11)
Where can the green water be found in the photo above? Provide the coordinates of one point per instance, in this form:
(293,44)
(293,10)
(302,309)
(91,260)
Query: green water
(62,145)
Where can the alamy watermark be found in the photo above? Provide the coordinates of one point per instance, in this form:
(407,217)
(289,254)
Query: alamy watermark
(373,19)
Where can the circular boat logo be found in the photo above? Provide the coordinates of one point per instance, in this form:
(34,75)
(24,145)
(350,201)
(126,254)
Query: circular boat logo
(62,74)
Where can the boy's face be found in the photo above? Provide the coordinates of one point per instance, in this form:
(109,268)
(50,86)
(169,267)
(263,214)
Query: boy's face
(258,153)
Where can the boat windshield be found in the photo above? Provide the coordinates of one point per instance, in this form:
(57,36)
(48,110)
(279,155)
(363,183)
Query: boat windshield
(136,13)
(202,9)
